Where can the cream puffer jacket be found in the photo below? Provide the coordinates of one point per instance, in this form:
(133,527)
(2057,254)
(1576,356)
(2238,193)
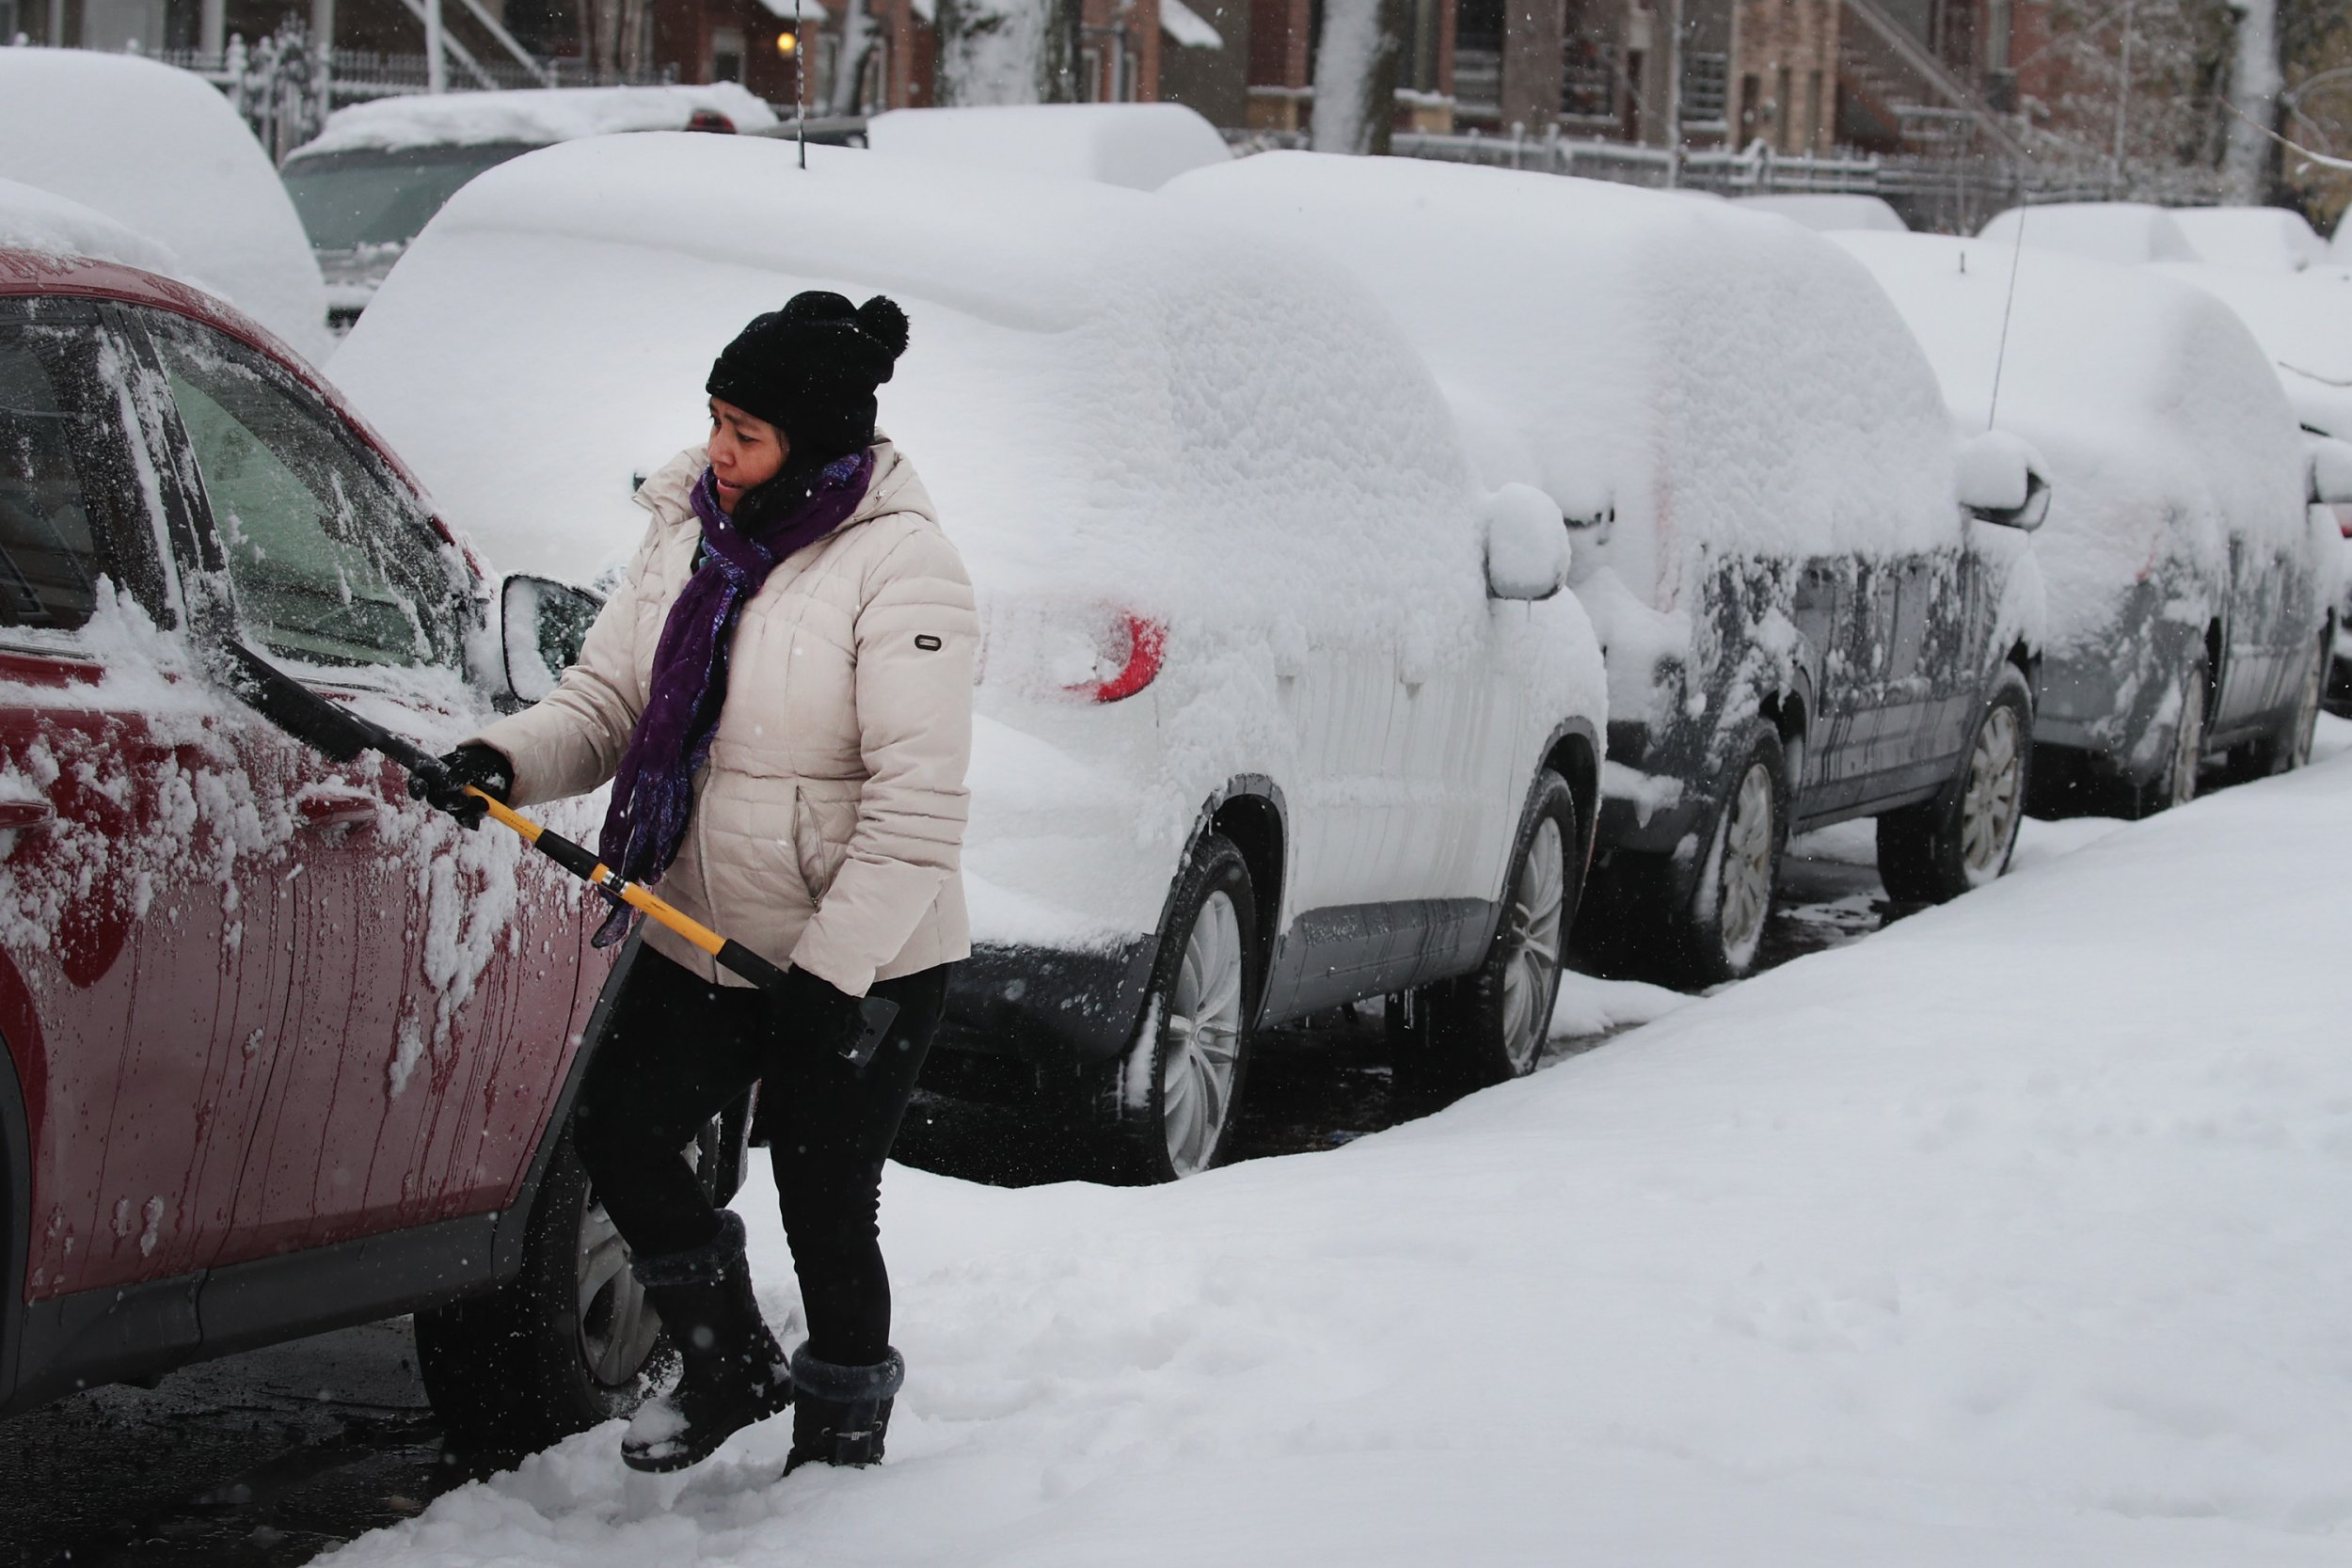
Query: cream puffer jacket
(828,824)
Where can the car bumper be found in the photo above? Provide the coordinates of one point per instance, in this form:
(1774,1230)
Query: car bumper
(1055,1010)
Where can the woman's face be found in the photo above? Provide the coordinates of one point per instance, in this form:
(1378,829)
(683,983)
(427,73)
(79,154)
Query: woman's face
(744,452)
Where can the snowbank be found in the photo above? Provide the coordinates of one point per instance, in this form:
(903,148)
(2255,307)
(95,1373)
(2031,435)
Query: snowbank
(537,115)
(1116,405)
(1828,214)
(2269,239)
(1141,146)
(2124,232)
(2017,1233)
(32,219)
(2163,428)
(160,151)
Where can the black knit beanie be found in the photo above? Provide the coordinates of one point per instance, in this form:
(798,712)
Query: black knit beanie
(810,370)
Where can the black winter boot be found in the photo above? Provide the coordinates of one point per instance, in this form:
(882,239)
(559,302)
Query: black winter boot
(842,1411)
(735,1372)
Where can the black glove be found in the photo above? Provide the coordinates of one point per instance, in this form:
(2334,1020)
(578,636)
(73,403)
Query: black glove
(813,1015)
(442,785)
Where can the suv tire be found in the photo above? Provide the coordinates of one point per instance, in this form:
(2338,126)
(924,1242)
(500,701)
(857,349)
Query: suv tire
(1962,839)
(570,1343)
(1491,1025)
(1178,1089)
(2292,749)
(1716,934)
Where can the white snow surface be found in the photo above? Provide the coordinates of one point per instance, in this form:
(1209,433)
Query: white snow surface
(538,115)
(1141,146)
(2303,323)
(2018,1232)
(1118,404)
(2124,232)
(1828,213)
(160,151)
(35,219)
(2156,417)
(2268,239)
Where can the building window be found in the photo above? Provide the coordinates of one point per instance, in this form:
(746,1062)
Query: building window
(1588,80)
(1813,140)
(1705,81)
(1785,113)
(726,54)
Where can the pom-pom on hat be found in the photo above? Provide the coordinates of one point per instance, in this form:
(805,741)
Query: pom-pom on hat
(810,370)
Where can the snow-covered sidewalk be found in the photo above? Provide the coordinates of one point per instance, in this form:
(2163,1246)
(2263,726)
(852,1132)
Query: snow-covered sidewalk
(2019,1233)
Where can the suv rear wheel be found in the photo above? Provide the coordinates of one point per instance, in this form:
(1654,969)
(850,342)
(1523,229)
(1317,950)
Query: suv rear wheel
(1180,1082)
(1940,849)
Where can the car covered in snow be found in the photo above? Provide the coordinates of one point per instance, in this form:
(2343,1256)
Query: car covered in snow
(1829,213)
(280,1050)
(2191,593)
(1141,146)
(2122,233)
(1801,622)
(1278,710)
(2304,324)
(160,151)
(2266,239)
(377,171)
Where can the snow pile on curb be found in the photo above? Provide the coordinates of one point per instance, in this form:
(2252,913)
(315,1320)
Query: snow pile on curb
(2019,1233)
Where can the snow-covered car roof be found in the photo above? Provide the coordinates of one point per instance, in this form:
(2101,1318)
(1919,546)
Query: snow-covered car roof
(1720,377)
(2303,323)
(2124,232)
(1828,213)
(160,151)
(535,115)
(2163,425)
(37,220)
(2269,238)
(1141,146)
(1101,388)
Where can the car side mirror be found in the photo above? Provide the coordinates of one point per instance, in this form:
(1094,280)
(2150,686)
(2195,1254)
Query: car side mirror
(1527,543)
(2000,480)
(2331,471)
(542,624)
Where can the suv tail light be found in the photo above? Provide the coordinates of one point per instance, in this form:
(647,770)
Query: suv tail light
(1126,656)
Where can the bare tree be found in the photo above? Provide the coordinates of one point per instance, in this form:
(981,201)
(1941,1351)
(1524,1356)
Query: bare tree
(842,94)
(1007,51)
(2254,84)
(1355,62)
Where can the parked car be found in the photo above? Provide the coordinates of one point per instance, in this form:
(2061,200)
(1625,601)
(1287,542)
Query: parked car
(160,151)
(377,171)
(284,1050)
(1141,146)
(2304,325)
(2266,239)
(2124,232)
(1278,711)
(2190,597)
(1826,212)
(1800,624)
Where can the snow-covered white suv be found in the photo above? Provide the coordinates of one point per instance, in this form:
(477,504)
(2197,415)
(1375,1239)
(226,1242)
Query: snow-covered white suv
(1278,710)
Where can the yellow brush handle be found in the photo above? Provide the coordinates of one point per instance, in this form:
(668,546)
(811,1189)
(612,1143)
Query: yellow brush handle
(581,862)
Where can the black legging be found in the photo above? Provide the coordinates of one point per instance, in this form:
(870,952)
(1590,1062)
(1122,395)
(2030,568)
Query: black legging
(675,1052)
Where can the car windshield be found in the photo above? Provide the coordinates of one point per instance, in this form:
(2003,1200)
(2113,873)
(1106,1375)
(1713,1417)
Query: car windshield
(383,195)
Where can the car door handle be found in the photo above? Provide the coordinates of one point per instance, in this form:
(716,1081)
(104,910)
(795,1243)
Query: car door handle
(325,806)
(17,815)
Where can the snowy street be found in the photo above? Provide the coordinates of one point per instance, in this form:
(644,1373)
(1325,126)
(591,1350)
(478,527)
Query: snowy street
(2016,1234)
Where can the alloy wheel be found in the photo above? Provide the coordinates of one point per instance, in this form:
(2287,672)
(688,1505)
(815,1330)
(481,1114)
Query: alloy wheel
(1746,889)
(1201,1046)
(1995,795)
(1530,958)
(2188,742)
(617,1326)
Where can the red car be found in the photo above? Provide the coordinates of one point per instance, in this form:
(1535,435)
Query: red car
(285,1051)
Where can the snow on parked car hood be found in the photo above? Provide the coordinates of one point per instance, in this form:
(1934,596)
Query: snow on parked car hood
(2271,239)
(2124,232)
(160,151)
(1141,146)
(2304,325)
(39,220)
(1827,213)
(2018,1233)
(2165,430)
(536,114)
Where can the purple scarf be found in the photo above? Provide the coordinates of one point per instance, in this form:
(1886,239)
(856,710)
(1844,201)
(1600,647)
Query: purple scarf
(652,793)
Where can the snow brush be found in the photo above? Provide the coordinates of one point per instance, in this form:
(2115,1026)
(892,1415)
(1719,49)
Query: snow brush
(342,735)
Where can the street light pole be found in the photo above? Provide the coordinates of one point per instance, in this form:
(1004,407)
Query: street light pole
(435,67)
